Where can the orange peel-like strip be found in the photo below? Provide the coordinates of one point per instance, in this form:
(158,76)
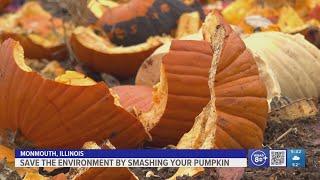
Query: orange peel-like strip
(51,114)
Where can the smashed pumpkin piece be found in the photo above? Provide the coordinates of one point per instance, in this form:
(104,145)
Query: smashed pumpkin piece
(149,71)
(303,108)
(189,23)
(236,114)
(149,18)
(120,173)
(99,7)
(289,64)
(134,98)
(41,35)
(100,55)
(289,20)
(183,91)
(52,114)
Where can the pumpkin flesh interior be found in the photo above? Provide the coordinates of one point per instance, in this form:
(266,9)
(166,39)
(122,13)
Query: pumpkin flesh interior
(98,7)
(89,39)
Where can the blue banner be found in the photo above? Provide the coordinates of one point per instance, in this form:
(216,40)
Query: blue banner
(159,153)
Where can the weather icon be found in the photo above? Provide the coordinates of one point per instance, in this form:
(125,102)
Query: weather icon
(296,158)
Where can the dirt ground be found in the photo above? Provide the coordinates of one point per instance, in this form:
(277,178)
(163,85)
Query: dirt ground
(305,134)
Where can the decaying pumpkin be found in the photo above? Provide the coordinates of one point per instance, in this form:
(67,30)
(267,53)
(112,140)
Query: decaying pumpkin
(134,22)
(64,113)
(41,35)
(121,40)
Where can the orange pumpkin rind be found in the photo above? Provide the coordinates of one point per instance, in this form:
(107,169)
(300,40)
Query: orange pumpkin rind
(100,55)
(52,114)
(183,91)
(236,115)
(41,35)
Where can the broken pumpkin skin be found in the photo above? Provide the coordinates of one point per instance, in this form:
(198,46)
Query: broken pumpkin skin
(235,117)
(36,51)
(186,68)
(240,94)
(134,97)
(121,64)
(56,115)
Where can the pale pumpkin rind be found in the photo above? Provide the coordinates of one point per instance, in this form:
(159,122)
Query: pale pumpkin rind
(134,97)
(40,34)
(240,93)
(56,115)
(100,55)
(149,71)
(289,64)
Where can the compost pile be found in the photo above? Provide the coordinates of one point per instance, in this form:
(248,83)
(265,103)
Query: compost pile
(175,74)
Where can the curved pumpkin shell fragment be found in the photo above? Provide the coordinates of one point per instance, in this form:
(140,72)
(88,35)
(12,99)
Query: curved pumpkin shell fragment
(134,97)
(240,95)
(100,55)
(289,64)
(58,115)
(235,117)
(41,35)
(149,71)
(134,22)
